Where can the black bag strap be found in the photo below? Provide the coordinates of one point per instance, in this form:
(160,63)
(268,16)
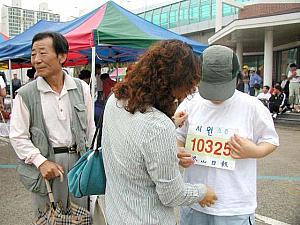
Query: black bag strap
(98,128)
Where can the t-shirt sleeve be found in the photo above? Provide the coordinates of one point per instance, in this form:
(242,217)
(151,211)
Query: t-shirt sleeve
(181,132)
(264,129)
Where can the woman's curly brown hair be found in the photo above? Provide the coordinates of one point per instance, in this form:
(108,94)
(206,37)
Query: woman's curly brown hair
(169,70)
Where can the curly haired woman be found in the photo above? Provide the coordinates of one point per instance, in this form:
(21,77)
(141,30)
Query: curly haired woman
(143,177)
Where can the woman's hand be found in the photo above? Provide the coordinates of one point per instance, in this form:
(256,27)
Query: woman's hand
(185,158)
(209,199)
(179,118)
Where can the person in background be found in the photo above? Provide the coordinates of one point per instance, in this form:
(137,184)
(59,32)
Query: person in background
(108,84)
(144,183)
(246,85)
(2,84)
(2,92)
(294,88)
(99,87)
(285,83)
(243,80)
(265,95)
(225,132)
(243,84)
(245,71)
(2,75)
(255,81)
(30,74)
(240,82)
(277,102)
(85,75)
(16,84)
(51,124)
(257,89)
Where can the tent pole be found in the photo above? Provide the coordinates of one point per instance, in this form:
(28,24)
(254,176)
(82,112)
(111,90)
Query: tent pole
(93,80)
(10,86)
(22,81)
(117,78)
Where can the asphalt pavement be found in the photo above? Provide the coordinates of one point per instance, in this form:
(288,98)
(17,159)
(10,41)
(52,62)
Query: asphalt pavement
(278,184)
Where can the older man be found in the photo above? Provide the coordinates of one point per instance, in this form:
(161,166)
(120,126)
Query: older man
(51,120)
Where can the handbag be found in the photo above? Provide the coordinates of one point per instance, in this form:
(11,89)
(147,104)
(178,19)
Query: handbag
(87,177)
(54,213)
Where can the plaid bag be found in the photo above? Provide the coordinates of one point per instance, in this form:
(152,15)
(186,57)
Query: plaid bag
(71,216)
(54,214)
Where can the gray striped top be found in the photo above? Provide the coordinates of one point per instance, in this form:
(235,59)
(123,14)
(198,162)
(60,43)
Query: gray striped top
(143,178)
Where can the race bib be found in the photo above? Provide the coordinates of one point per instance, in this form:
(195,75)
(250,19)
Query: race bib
(208,146)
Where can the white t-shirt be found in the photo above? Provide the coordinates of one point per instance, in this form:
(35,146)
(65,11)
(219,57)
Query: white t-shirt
(263,96)
(2,83)
(235,189)
(295,79)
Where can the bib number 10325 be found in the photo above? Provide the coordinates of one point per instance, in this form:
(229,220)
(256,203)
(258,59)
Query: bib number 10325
(210,151)
(217,148)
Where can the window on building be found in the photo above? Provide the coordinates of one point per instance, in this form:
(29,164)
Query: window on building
(184,13)
(174,15)
(164,17)
(194,11)
(287,57)
(204,10)
(148,16)
(156,16)
(256,61)
(213,9)
(228,10)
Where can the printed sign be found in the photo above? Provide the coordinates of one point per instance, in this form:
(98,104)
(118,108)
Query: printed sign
(208,146)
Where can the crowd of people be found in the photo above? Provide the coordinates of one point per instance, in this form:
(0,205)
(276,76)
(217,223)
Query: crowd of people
(281,97)
(215,134)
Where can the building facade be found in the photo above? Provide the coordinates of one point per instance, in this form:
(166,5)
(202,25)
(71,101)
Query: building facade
(15,20)
(273,29)
(185,12)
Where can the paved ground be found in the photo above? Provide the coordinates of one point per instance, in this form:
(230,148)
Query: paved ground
(278,185)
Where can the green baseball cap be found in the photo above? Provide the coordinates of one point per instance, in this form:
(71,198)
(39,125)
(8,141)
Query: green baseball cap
(220,67)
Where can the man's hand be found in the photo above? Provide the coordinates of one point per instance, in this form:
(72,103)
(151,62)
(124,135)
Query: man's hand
(209,199)
(50,170)
(185,158)
(179,118)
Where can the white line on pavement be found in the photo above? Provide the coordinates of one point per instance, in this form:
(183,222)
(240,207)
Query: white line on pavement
(268,220)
